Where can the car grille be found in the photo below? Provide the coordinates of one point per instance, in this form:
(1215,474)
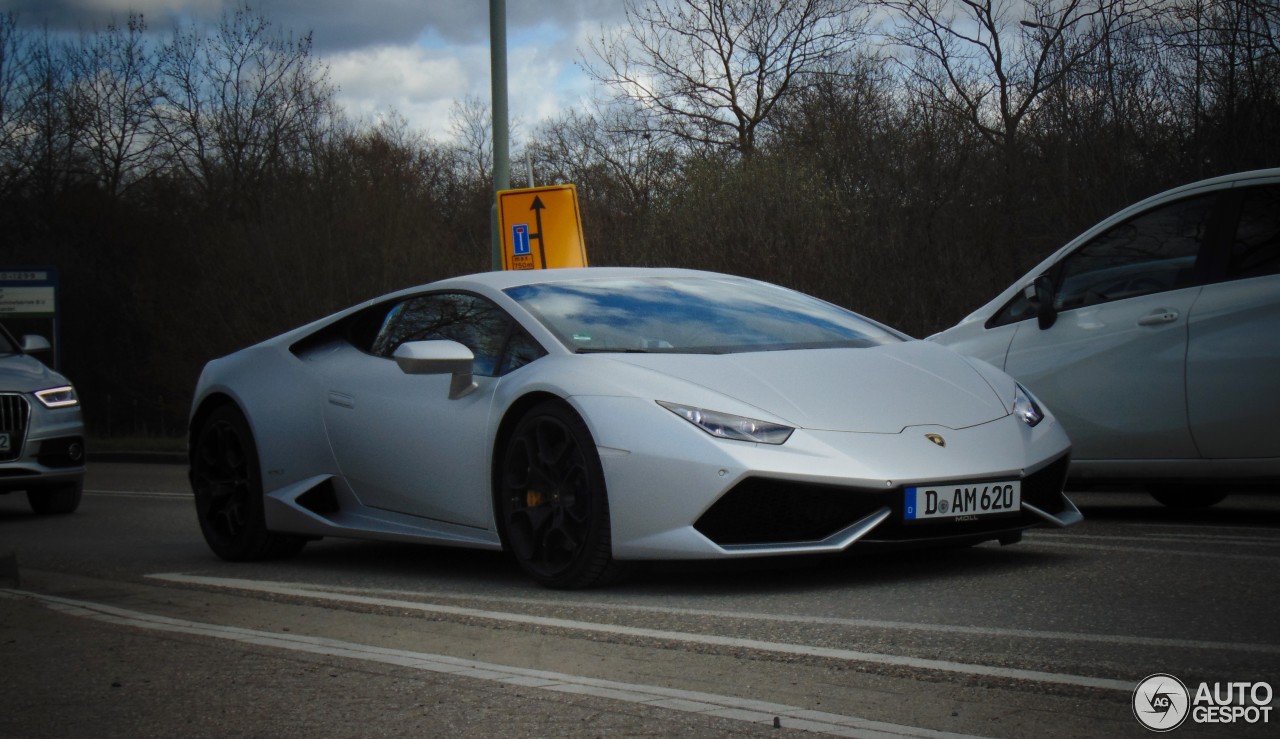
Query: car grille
(14,415)
(766,511)
(760,510)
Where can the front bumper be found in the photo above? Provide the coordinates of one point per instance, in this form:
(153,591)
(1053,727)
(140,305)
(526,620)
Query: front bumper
(45,446)
(677,493)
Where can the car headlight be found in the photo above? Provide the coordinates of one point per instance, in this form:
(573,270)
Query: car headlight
(58,397)
(1024,407)
(729,426)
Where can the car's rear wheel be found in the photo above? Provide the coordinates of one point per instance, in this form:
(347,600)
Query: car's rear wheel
(227,483)
(1188,497)
(552,501)
(55,499)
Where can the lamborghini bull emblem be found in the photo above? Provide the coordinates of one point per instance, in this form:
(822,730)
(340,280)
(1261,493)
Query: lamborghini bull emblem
(936,439)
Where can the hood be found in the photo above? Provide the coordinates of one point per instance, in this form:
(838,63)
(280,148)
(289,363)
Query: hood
(882,389)
(21,373)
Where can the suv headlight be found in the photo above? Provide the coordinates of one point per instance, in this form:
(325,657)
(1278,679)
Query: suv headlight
(1025,407)
(58,397)
(729,426)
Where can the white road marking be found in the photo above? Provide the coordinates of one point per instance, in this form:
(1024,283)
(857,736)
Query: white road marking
(1273,541)
(1150,550)
(708,704)
(803,650)
(861,623)
(1200,527)
(138,494)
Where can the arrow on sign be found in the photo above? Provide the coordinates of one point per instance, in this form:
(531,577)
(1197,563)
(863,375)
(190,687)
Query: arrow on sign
(537,218)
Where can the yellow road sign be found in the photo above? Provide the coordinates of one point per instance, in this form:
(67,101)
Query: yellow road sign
(541,228)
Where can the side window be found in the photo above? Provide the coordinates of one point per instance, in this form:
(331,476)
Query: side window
(469,320)
(1020,308)
(1153,252)
(1256,248)
(521,350)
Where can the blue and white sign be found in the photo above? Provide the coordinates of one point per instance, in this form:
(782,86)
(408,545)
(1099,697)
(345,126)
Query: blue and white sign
(28,293)
(520,239)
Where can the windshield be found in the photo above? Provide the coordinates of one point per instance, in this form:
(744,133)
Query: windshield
(692,315)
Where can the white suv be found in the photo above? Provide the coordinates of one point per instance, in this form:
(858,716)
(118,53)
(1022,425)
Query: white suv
(41,429)
(1155,338)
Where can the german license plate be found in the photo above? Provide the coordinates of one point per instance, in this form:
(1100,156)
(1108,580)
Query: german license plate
(961,502)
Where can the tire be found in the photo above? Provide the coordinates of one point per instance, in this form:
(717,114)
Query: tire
(56,499)
(553,507)
(227,482)
(1188,498)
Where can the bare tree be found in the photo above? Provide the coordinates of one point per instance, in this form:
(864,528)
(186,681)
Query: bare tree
(1224,67)
(16,99)
(609,153)
(990,62)
(240,101)
(38,132)
(712,72)
(112,100)
(53,132)
(472,128)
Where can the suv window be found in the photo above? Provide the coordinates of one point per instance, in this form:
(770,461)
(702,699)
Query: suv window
(470,320)
(1256,248)
(1150,253)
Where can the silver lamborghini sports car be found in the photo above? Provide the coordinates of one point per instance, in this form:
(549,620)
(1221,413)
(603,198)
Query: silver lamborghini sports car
(584,418)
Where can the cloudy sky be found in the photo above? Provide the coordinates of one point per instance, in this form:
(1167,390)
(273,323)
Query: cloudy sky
(414,56)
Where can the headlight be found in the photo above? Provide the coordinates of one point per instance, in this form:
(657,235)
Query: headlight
(727,426)
(58,397)
(1024,407)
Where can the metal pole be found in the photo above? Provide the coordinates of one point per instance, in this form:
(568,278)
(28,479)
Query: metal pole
(501,133)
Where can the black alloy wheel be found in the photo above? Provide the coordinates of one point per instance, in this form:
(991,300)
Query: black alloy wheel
(553,506)
(227,483)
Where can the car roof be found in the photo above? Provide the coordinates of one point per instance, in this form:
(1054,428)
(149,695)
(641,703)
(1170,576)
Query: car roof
(518,278)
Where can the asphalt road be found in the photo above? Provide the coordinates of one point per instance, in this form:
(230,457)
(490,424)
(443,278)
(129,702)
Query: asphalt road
(118,621)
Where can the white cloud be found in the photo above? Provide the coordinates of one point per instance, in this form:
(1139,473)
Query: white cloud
(414,56)
(420,84)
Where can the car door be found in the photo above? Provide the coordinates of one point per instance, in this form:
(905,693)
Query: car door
(1112,365)
(400,442)
(1233,356)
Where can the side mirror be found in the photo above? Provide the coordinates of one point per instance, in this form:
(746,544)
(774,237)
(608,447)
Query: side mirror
(1046,314)
(32,343)
(438,358)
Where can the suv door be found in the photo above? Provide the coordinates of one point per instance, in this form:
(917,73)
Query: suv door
(1112,366)
(1233,356)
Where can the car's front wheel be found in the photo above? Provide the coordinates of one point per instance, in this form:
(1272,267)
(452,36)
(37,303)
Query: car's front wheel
(55,499)
(227,483)
(552,502)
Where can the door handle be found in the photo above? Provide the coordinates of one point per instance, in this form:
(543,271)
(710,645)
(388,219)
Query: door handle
(1158,316)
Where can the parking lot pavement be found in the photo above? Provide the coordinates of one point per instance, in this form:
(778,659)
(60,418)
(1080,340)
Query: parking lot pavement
(66,676)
